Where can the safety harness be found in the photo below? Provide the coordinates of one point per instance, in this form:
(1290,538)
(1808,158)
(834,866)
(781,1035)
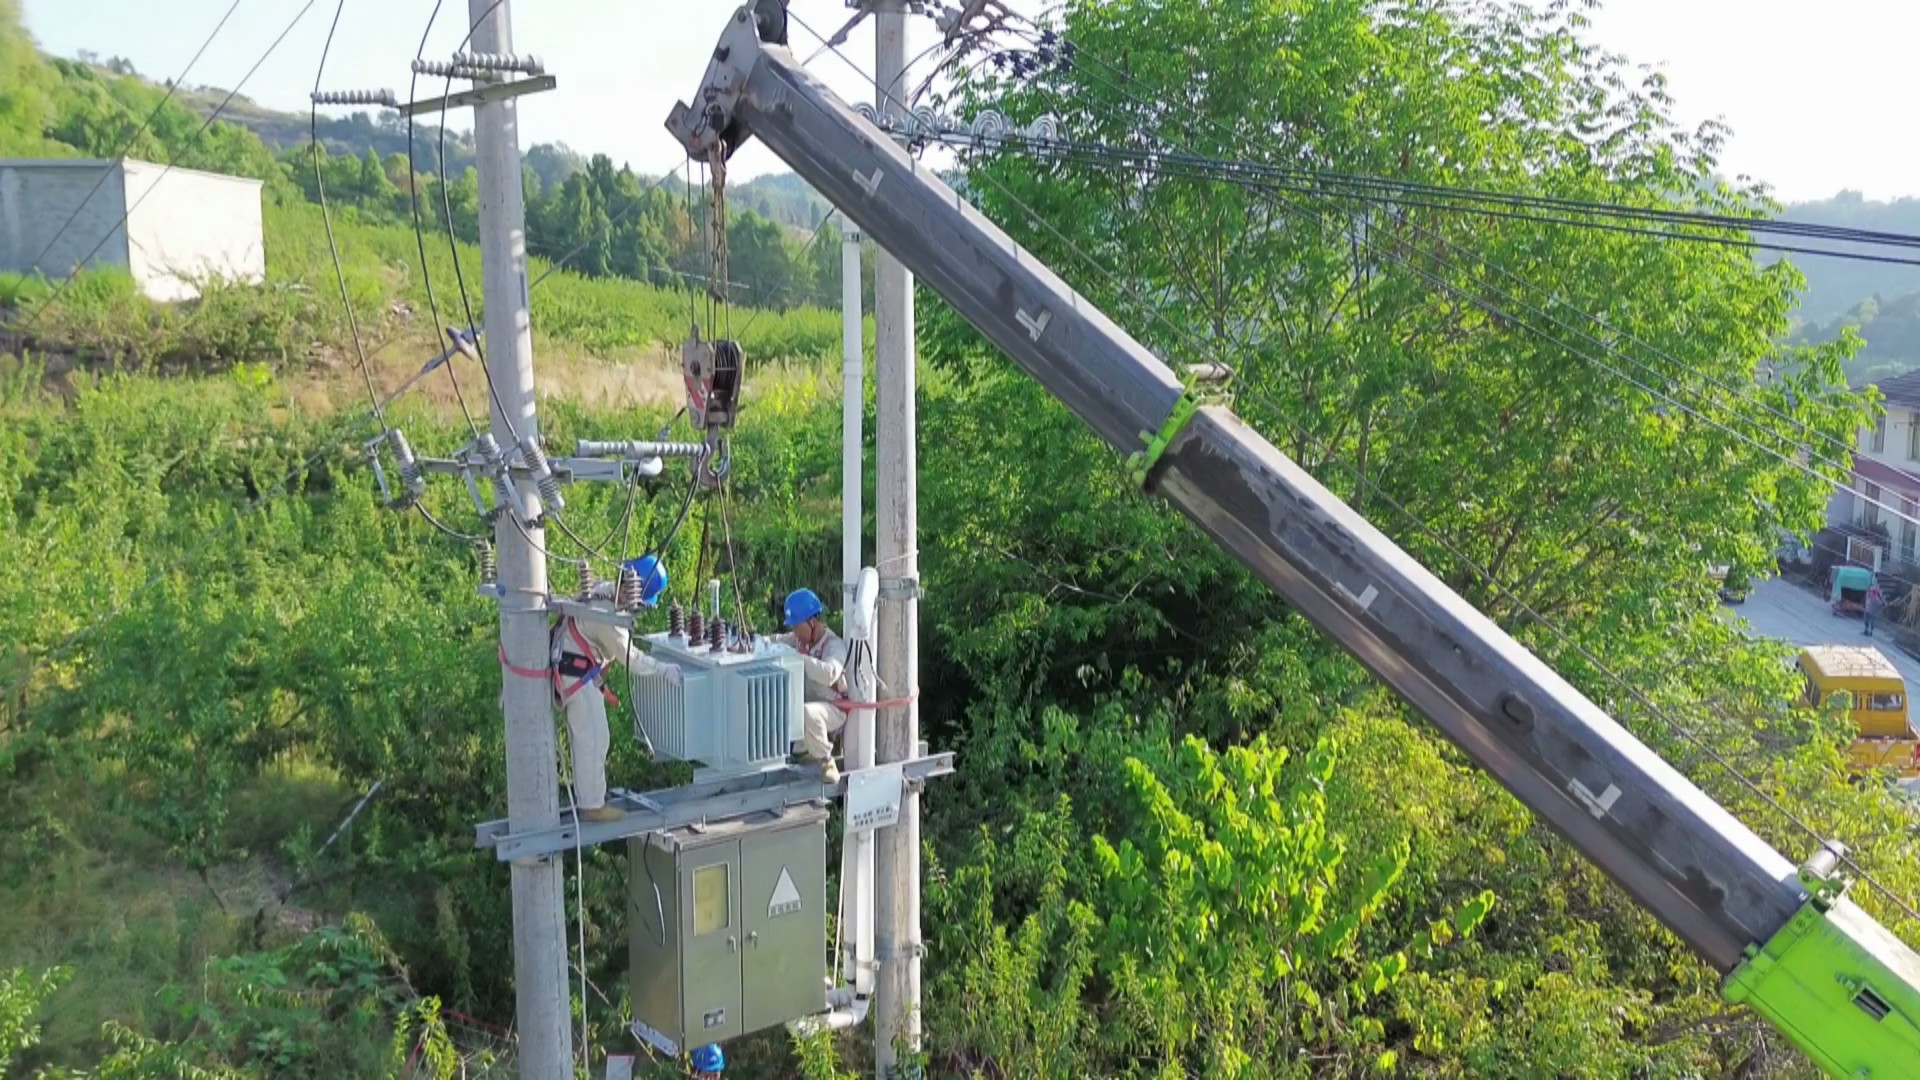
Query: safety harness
(578,666)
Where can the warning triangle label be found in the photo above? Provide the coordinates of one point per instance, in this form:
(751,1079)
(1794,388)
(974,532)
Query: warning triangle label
(786,898)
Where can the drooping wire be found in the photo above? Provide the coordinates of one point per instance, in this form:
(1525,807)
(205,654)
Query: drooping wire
(693,309)
(340,274)
(326,217)
(453,244)
(126,145)
(419,234)
(733,560)
(805,251)
(1222,171)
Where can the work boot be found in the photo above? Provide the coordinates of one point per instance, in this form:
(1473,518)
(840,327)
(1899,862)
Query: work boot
(601,813)
(829,772)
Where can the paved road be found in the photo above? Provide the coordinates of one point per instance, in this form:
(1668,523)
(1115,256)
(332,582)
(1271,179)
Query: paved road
(1781,609)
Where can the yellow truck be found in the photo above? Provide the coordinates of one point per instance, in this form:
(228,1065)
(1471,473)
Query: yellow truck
(1884,735)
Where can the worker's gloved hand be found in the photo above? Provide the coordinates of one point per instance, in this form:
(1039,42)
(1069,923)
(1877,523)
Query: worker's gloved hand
(673,675)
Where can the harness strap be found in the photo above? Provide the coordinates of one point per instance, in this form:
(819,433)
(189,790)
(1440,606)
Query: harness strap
(554,673)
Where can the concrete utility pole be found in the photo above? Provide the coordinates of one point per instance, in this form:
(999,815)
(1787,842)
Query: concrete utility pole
(533,787)
(897,865)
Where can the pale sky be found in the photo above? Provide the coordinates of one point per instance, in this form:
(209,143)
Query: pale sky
(1819,96)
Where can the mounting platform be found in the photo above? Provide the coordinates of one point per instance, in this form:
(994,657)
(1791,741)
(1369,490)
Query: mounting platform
(702,801)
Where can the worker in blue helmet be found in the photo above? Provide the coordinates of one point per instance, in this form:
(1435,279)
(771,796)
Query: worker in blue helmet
(583,650)
(709,1062)
(824,657)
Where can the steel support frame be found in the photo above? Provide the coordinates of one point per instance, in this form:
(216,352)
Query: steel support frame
(481,95)
(718,799)
(566,469)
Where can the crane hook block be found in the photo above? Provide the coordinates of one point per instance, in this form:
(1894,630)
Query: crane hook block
(712,372)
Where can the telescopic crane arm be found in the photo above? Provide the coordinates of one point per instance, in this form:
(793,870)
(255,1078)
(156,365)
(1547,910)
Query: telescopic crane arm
(1840,986)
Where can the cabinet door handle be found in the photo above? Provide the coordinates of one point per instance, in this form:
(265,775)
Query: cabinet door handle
(753,938)
(733,943)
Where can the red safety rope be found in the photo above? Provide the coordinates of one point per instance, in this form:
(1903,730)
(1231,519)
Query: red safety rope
(848,705)
(523,672)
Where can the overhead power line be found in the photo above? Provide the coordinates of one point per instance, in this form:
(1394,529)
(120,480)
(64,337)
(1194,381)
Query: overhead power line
(1537,209)
(1246,174)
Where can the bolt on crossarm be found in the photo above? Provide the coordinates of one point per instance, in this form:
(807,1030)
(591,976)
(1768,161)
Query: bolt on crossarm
(1840,986)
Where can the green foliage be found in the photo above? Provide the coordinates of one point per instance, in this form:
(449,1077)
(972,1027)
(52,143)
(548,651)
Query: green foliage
(21,998)
(1188,835)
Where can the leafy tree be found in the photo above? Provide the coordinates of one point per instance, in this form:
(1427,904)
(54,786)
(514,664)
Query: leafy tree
(1403,356)
(26,89)
(21,998)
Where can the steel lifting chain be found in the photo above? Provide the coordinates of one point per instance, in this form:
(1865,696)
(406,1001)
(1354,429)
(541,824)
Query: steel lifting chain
(717,285)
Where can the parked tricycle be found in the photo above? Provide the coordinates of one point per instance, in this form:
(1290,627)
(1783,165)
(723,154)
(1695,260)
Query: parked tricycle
(1848,588)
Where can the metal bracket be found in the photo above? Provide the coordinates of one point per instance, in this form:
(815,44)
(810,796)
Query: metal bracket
(720,799)
(913,951)
(481,95)
(900,588)
(1141,463)
(570,469)
(709,120)
(592,613)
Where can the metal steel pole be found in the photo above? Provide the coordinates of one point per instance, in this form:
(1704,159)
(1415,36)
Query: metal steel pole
(897,864)
(533,787)
(856,871)
(853,380)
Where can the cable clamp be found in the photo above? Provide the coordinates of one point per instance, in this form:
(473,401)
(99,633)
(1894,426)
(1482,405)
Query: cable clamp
(913,951)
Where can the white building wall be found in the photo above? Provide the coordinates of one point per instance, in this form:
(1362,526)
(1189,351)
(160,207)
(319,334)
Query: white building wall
(188,226)
(37,198)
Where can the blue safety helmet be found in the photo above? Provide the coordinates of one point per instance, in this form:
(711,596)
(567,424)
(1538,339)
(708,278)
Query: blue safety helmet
(653,577)
(709,1059)
(801,606)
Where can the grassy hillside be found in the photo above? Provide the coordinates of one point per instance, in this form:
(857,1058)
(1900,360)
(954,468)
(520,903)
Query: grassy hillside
(1834,286)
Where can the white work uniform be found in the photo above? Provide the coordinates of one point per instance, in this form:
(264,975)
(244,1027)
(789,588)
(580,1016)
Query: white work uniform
(825,665)
(584,702)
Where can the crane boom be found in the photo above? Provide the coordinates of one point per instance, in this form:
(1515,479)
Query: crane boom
(1843,988)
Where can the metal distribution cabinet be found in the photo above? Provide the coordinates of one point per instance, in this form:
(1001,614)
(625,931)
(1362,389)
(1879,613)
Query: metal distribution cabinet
(728,927)
(731,711)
